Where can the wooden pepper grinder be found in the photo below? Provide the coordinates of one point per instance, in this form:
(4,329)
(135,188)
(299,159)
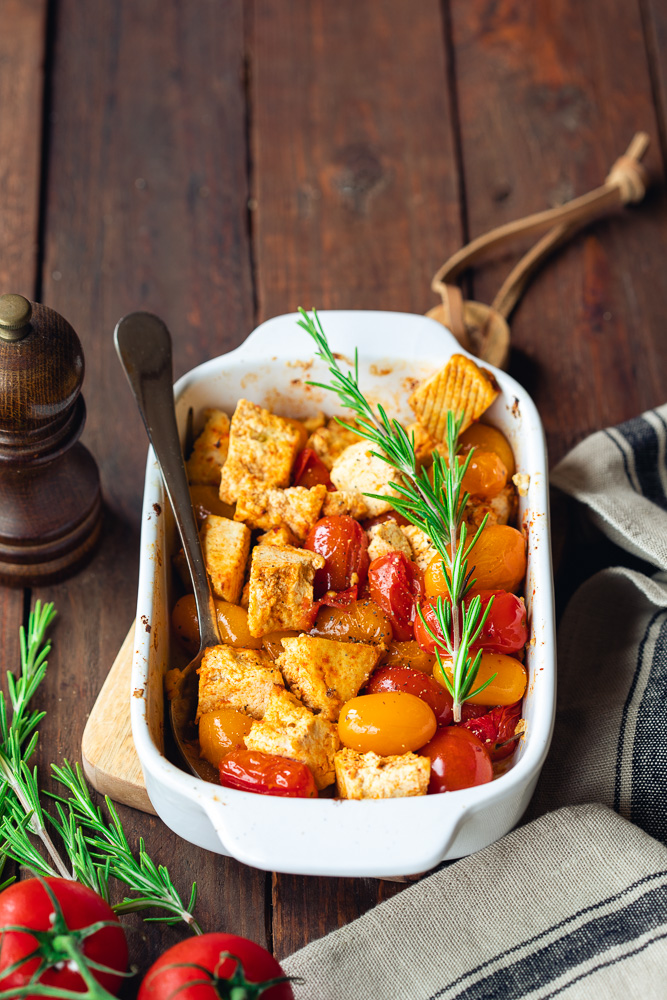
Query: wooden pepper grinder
(50,500)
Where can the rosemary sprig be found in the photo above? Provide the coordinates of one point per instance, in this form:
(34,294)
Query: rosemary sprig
(96,847)
(435,504)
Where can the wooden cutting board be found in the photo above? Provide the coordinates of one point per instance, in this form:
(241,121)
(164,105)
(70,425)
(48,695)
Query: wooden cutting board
(109,758)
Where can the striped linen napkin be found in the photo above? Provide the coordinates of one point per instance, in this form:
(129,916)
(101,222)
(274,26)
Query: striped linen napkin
(574,903)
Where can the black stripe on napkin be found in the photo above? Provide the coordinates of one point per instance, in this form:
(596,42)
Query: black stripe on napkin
(643,439)
(649,753)
(566,953)
(624,457)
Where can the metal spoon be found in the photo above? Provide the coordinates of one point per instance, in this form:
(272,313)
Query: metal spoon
(143,344)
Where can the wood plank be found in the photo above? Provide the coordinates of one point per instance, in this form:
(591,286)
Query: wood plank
(357,203)
(655,34)
(146,209)
(548,99)
(22,43)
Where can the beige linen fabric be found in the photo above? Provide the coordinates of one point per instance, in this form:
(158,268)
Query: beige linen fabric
(573,904)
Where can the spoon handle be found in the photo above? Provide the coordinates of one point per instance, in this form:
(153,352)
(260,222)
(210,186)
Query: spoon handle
(143,344)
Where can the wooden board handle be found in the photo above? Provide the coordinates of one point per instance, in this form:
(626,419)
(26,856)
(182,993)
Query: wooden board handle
(109,758)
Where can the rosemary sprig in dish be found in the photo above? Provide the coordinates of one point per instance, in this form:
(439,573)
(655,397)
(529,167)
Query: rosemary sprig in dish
(434,503)
(96,847)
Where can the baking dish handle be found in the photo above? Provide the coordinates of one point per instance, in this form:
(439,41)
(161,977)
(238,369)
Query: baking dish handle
(304,837)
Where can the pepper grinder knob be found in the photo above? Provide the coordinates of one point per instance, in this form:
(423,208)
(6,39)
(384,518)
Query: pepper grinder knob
(50,499)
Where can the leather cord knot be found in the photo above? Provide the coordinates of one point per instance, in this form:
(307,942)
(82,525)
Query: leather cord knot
(629,176)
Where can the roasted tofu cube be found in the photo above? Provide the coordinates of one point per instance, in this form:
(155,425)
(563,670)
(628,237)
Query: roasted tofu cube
(367,776)
(236,678)
(349,502)
(297,508)
(501,509)
(210,450)
(226,545)
(330,441)
(289,729)
(423,553)
(387,537)
(278,536)
(262,449)
(325,673)
(281,588)
(358,469)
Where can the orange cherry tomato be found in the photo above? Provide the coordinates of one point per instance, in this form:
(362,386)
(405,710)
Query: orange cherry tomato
(222,731)
(415,682)
(254,771)
(459,759)
(488,439)
(408,654)
(485,476)
(232,623)
(393,722)
(498,561)
(506,688)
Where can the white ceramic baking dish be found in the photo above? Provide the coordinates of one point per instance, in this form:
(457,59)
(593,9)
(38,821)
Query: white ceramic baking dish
(328,836)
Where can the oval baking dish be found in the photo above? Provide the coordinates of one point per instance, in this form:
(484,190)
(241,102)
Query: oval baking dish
(329,836)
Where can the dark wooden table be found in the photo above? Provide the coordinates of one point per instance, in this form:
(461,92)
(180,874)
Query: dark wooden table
(219,163)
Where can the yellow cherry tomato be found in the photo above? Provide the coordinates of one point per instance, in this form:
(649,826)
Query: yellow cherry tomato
(488,439)
(392,722)
(222,731)
(497,561)
(408,654)
(506,688)
(232,623)
(485,476)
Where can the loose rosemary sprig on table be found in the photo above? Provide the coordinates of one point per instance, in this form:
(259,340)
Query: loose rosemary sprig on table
(434,504)
(96,847)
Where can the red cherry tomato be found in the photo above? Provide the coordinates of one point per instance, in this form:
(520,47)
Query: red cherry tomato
(253,771)
(396,585)
(505,629)
(173,971)
(400,678)
(310,470)
(343,543)
(389,515)
(459,759)
(496,729)
(27,904)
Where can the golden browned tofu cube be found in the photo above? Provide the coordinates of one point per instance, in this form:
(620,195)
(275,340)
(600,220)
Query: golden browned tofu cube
(387,537)
(358,469)
(278,536)
(423,552)
(289,729)
(501,509)
(349,502)
(226,545)
(325,673)
(281,588)
(210,450)
(462,387)
(330,441)
(236,678)
(297,508)
(262,449)
(367,776)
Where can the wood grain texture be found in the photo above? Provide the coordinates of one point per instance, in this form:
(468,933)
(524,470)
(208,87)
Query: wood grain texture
(356,203)
(146,209)
(548,97)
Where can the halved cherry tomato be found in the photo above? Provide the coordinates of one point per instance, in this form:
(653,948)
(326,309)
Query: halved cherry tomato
(505,629)
(392,722)
(459,759)
(507,687)
(253,771)
(343,543)
(408,654)
(488,439)
(415,682)
(496,729)
(396,584)
(310,470)
(361,621)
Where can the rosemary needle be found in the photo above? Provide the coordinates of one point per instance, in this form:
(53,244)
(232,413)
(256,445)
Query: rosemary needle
(434,503)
